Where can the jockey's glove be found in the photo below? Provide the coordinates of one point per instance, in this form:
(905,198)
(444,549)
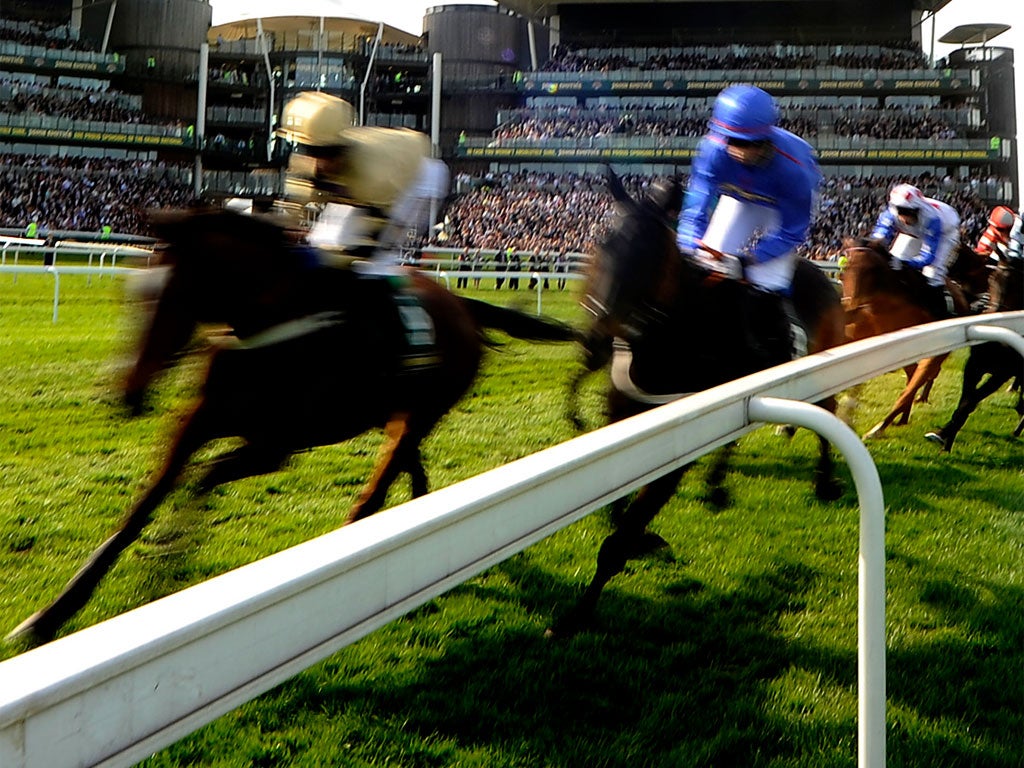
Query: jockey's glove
(896,263)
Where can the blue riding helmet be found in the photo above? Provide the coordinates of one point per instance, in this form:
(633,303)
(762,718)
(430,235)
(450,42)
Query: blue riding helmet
(744,112)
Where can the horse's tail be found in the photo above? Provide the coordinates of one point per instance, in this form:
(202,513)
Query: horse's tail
(518,324)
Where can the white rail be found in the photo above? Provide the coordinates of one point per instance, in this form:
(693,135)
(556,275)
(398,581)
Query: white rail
(58,270)
(114,693)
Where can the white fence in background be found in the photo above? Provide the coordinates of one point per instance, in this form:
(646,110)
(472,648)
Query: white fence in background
(114,693)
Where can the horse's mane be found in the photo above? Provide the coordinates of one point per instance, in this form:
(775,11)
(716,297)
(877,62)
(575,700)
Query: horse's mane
(866,243)
(177,224)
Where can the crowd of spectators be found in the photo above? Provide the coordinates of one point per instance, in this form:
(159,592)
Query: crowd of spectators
(892,55)
(35,100)
(54,37)
(535,124)
(533,212)
(86,194)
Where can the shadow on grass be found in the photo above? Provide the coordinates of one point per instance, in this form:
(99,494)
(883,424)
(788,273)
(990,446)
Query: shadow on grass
(688,679)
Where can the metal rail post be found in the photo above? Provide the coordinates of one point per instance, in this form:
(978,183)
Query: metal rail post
(995,333)
(871,570)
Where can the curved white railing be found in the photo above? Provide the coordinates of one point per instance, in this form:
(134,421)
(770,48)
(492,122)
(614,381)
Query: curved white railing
(114,693)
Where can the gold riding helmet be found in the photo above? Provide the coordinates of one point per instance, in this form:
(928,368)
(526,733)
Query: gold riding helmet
(335,161)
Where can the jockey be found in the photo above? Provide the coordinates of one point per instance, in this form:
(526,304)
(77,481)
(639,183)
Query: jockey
(373,185)
(921,233)
(995,241)
(749,203)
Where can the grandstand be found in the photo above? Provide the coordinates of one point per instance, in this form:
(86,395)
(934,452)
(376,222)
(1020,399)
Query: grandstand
(536,98)
(631,84)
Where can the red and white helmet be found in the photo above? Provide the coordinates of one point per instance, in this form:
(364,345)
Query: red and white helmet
(1001,218)
(906,197)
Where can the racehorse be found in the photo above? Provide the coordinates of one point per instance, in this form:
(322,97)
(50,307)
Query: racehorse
(879,299)
(999,362)
(686,330)
(319,355)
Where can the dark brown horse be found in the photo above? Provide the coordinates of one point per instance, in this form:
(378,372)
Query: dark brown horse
(319,355)
(879,299)
(685,329)
(997,361)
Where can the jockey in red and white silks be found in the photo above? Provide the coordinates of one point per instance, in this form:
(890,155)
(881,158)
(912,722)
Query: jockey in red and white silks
(995,240)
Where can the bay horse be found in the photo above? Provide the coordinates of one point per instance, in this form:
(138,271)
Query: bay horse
(879,299)
(685,329)
(997,361)
(317,355)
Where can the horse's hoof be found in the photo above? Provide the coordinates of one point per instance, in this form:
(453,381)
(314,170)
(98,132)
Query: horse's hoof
(936,438)
(565,628)
(829,490)
(785,430)
(27,634)
(876,431)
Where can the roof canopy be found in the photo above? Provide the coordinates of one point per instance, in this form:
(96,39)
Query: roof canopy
(967,34)
(539,9)
(246,29)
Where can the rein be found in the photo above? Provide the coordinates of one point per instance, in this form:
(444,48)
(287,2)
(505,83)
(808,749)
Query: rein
(292,329)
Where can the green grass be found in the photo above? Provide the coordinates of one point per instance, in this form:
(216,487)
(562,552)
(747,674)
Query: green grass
(737,648)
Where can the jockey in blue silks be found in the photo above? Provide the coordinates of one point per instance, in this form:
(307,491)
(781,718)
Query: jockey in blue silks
(922,234)
(752,191)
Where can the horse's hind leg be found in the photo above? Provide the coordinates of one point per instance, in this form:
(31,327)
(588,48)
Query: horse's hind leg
(969,401)
(43,625)
(617,549)
(399,452)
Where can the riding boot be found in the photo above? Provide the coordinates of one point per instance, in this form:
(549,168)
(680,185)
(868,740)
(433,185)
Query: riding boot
(385,341)
(938,302)
(768,326)
(797,334)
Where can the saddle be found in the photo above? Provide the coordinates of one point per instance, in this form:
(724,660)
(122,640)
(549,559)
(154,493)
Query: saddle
(397,318)
(941,303)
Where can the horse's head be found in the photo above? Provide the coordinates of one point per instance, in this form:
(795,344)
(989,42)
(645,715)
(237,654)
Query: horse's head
(215,266)
(970,270)
(633,273)
(866,268)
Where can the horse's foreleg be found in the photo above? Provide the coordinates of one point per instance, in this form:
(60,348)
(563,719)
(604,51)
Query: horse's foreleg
(400,451)
(925,371)
(417,472)
(617,549)
(43,625)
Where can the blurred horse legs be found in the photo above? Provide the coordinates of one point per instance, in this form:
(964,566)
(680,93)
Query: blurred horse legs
(926,371)
(617,549)
(41,626)
(248,460)
(400,452)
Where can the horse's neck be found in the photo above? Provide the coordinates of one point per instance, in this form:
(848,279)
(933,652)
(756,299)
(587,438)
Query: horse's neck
(970,271)
(1007,289)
